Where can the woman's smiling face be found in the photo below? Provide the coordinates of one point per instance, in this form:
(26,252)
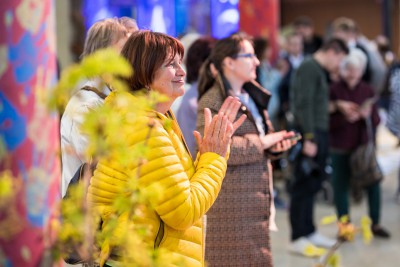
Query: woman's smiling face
(169,79)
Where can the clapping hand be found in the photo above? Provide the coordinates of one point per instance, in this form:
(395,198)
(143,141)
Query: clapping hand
(218,130)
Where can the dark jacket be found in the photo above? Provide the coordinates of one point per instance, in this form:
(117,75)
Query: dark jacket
(309,95)
(344,135)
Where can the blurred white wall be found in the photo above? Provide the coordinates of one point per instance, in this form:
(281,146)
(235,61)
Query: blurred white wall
(63,32)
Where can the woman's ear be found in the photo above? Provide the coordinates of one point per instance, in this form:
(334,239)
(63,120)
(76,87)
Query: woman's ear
(213,70)
(228,63)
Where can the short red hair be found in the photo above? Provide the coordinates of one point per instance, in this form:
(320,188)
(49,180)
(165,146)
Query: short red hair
(146,51)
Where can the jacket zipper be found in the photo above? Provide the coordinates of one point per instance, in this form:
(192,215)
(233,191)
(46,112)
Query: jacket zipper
(160,235)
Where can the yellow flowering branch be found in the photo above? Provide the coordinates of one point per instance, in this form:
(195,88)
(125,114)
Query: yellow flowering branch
(346,232)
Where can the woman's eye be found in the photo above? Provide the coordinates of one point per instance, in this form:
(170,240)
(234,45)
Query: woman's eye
(175,64)
(172,65)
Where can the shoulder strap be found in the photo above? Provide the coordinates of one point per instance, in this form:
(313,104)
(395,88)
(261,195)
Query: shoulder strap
(93,89)
(370,131)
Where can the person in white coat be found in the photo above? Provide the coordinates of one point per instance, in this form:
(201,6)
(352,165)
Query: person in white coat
(111,32)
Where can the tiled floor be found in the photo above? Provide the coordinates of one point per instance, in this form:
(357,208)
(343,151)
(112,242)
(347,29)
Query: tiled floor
(355,254)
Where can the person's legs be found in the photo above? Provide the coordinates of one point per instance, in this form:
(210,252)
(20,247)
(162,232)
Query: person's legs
(300,208)
(300,215)
(374,206)
(374,202)
(316,183)
(341,182)
(304,234)
(303,190)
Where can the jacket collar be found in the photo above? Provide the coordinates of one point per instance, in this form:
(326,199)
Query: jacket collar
(175,126)
(259,94)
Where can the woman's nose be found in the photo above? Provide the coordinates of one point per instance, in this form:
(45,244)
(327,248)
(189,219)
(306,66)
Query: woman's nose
(180,71)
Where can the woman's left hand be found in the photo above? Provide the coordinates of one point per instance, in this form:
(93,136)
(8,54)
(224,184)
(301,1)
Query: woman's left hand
(285,144)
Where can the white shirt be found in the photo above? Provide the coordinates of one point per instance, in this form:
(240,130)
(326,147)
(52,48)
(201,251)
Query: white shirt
(296,60)
(249,102)
(73,142)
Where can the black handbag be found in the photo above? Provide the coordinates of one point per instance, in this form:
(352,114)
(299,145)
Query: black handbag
(85,170)
(73,257)
(365,169)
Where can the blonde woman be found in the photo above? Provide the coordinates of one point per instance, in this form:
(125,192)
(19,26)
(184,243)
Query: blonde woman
(104,33)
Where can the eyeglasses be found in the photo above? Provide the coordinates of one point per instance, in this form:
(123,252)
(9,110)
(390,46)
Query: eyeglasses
(247,55)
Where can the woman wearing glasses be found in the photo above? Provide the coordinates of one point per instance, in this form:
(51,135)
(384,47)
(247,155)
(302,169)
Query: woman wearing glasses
(238,223)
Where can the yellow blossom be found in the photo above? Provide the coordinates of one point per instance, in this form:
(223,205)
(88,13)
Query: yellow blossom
(344,219)
(334,260)
(313,251)
(328,220)
(347,231)
(366,229)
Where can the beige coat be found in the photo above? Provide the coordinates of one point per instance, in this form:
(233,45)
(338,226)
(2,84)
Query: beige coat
(238,222)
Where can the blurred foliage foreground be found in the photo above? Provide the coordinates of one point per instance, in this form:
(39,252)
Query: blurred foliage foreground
(74,228)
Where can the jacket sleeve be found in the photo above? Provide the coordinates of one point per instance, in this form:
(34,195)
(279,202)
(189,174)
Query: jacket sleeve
(303,90)
(184,196)
(393,122)
(336,119)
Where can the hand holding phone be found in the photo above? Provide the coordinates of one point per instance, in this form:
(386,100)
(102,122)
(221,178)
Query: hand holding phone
(368,102)
(295,137)
(366,107)
(284,145)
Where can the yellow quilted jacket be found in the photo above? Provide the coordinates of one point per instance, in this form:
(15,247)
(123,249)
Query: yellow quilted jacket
(188,189)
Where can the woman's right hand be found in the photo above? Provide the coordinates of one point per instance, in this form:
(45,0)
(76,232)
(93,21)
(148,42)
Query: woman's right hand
(218,130)
(349,109)
(271,139)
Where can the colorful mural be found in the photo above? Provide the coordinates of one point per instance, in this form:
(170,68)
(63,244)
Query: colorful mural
(261,18)
(30,133)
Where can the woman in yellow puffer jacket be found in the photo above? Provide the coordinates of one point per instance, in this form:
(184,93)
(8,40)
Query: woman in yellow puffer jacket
(188,189)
